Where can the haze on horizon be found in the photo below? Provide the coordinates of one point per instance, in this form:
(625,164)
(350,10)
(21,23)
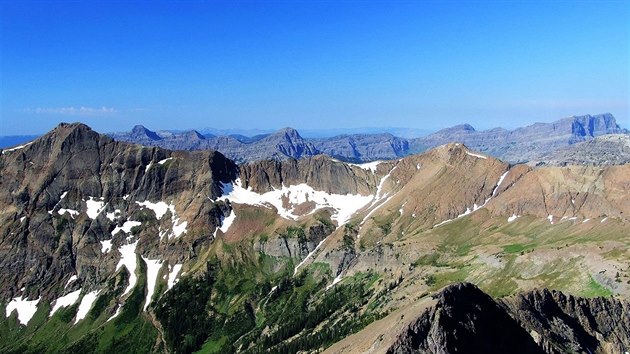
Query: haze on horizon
(310,65)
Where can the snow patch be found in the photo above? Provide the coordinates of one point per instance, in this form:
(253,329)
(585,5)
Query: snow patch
(496,188)
(586,220)
(22,219)
(550,218)
(115,313)
(335,281)
(604,219)
(128,260)
(476,155)
(159,208)
(25,309)
(227,222)
(153,268)
(162,162)
(72,278)
(94,207)
(172,276)
(308,256)
(126,228)
(16,148)
(106,246)
(72,213)
(86,305)
(65,301)
(113,215)
(370,166)
(344,205)
(513,217)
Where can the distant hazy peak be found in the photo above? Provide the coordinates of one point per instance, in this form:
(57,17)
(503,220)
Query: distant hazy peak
(140,131)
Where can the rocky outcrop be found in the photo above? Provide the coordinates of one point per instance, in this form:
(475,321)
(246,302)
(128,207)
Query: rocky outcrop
(283,144)
(563,323)
(466,320)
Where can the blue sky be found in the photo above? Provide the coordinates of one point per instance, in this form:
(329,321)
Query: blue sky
(310,64)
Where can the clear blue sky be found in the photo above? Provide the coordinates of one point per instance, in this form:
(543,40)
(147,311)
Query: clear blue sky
(310,64)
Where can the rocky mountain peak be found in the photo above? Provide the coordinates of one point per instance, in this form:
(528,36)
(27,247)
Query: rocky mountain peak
(141,132)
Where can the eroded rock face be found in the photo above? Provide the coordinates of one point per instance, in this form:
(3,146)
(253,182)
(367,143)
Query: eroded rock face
(564,323)
(68,191)
(466,320)
(321,173)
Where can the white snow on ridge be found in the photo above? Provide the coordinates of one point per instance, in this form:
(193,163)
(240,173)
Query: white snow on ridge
(25,309)
(476,155)
(369,166)
(94,207)
(344,205)
(16,148)
(153,268)
(513,217)
(86,305)
(227,222)
(106,246)
(172,276)
(126,228)
(128,260)
(162,162)
(65,301)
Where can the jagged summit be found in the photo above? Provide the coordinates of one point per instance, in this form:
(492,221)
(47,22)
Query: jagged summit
(526,144)
(140,132)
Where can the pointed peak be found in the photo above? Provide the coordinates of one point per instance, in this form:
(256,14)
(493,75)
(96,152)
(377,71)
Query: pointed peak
(140,131)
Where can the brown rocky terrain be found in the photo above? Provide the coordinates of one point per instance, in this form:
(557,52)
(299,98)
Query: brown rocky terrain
(78,208)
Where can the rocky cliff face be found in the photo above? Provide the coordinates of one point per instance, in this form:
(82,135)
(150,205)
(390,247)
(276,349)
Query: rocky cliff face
(72,199)
(465,320)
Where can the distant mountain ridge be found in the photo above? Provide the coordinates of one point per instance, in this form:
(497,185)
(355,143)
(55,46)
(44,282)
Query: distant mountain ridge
(533,143)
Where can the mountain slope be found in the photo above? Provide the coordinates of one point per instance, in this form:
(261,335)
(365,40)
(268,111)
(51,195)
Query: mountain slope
(463,319)
(107,245)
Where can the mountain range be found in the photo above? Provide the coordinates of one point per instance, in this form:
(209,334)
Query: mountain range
(535,143)
(107,245)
